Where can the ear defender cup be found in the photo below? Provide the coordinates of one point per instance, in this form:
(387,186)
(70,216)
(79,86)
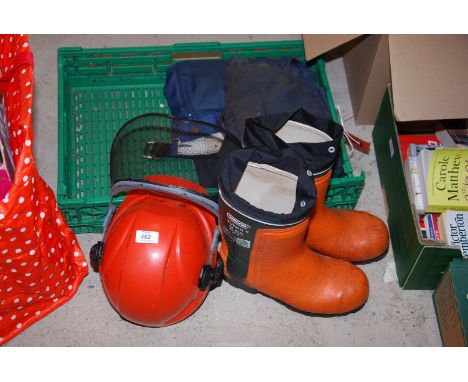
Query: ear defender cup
(95,255)
(211,277)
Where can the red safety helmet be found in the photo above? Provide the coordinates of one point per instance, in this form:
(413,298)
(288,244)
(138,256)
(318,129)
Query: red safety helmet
(158,257)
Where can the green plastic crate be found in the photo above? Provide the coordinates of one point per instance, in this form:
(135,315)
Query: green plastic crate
(100,89)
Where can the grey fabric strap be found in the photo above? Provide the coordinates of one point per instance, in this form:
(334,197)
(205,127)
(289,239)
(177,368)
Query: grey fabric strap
(183,193)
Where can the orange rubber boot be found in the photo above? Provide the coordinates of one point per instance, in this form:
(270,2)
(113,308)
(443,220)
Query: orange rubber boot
(350,235)
(282,267)
(264,211)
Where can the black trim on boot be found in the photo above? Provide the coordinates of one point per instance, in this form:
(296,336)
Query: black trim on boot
(318,157)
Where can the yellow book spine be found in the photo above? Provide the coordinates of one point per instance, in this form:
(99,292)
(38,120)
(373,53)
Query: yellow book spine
(448,180)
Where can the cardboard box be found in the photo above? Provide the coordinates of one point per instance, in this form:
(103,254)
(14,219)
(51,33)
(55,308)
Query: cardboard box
(414,64)
(317,44)
(368,73)
(451,304)
(366,64)
(419,263)
(429,82)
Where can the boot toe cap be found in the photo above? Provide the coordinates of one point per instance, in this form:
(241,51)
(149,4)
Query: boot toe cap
(366,237)
(373,239)
(341,288)
(354,236)
(356,292)
(348,290)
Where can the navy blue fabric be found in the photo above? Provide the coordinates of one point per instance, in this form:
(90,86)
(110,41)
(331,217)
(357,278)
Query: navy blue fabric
(195,89)
(256,88)
(202,89)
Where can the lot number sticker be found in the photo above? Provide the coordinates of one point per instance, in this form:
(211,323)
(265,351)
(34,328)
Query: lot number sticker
(147,237)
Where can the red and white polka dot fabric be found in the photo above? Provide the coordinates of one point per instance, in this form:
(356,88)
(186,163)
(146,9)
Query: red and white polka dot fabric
(41,262)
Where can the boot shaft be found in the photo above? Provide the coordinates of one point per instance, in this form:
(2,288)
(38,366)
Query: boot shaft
(262,192)
(321,185)
(244,237)
(315,140)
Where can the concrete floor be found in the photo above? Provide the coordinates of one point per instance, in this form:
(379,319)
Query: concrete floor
(229,316)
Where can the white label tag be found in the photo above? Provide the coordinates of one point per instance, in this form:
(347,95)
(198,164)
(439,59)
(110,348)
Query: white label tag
(392,149)
(243,243)
(147,237)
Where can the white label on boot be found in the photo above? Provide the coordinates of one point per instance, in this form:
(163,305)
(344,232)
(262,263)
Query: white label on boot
(242,242)
(147,237)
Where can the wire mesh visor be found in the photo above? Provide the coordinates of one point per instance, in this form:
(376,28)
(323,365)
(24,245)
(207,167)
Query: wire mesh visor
(160,144)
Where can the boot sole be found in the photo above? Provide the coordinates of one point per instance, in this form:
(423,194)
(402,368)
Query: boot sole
(378,258)
(238,284)
(308,314)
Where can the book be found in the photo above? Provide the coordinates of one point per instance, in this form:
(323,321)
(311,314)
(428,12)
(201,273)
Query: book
(414,149)
(420,139)
(435,223)
(453,138)
(447,182)
(430,228)
(414,184)
(460,136)
(422,162)
(443,174)
(453,227)
(432,225)
(422,227)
